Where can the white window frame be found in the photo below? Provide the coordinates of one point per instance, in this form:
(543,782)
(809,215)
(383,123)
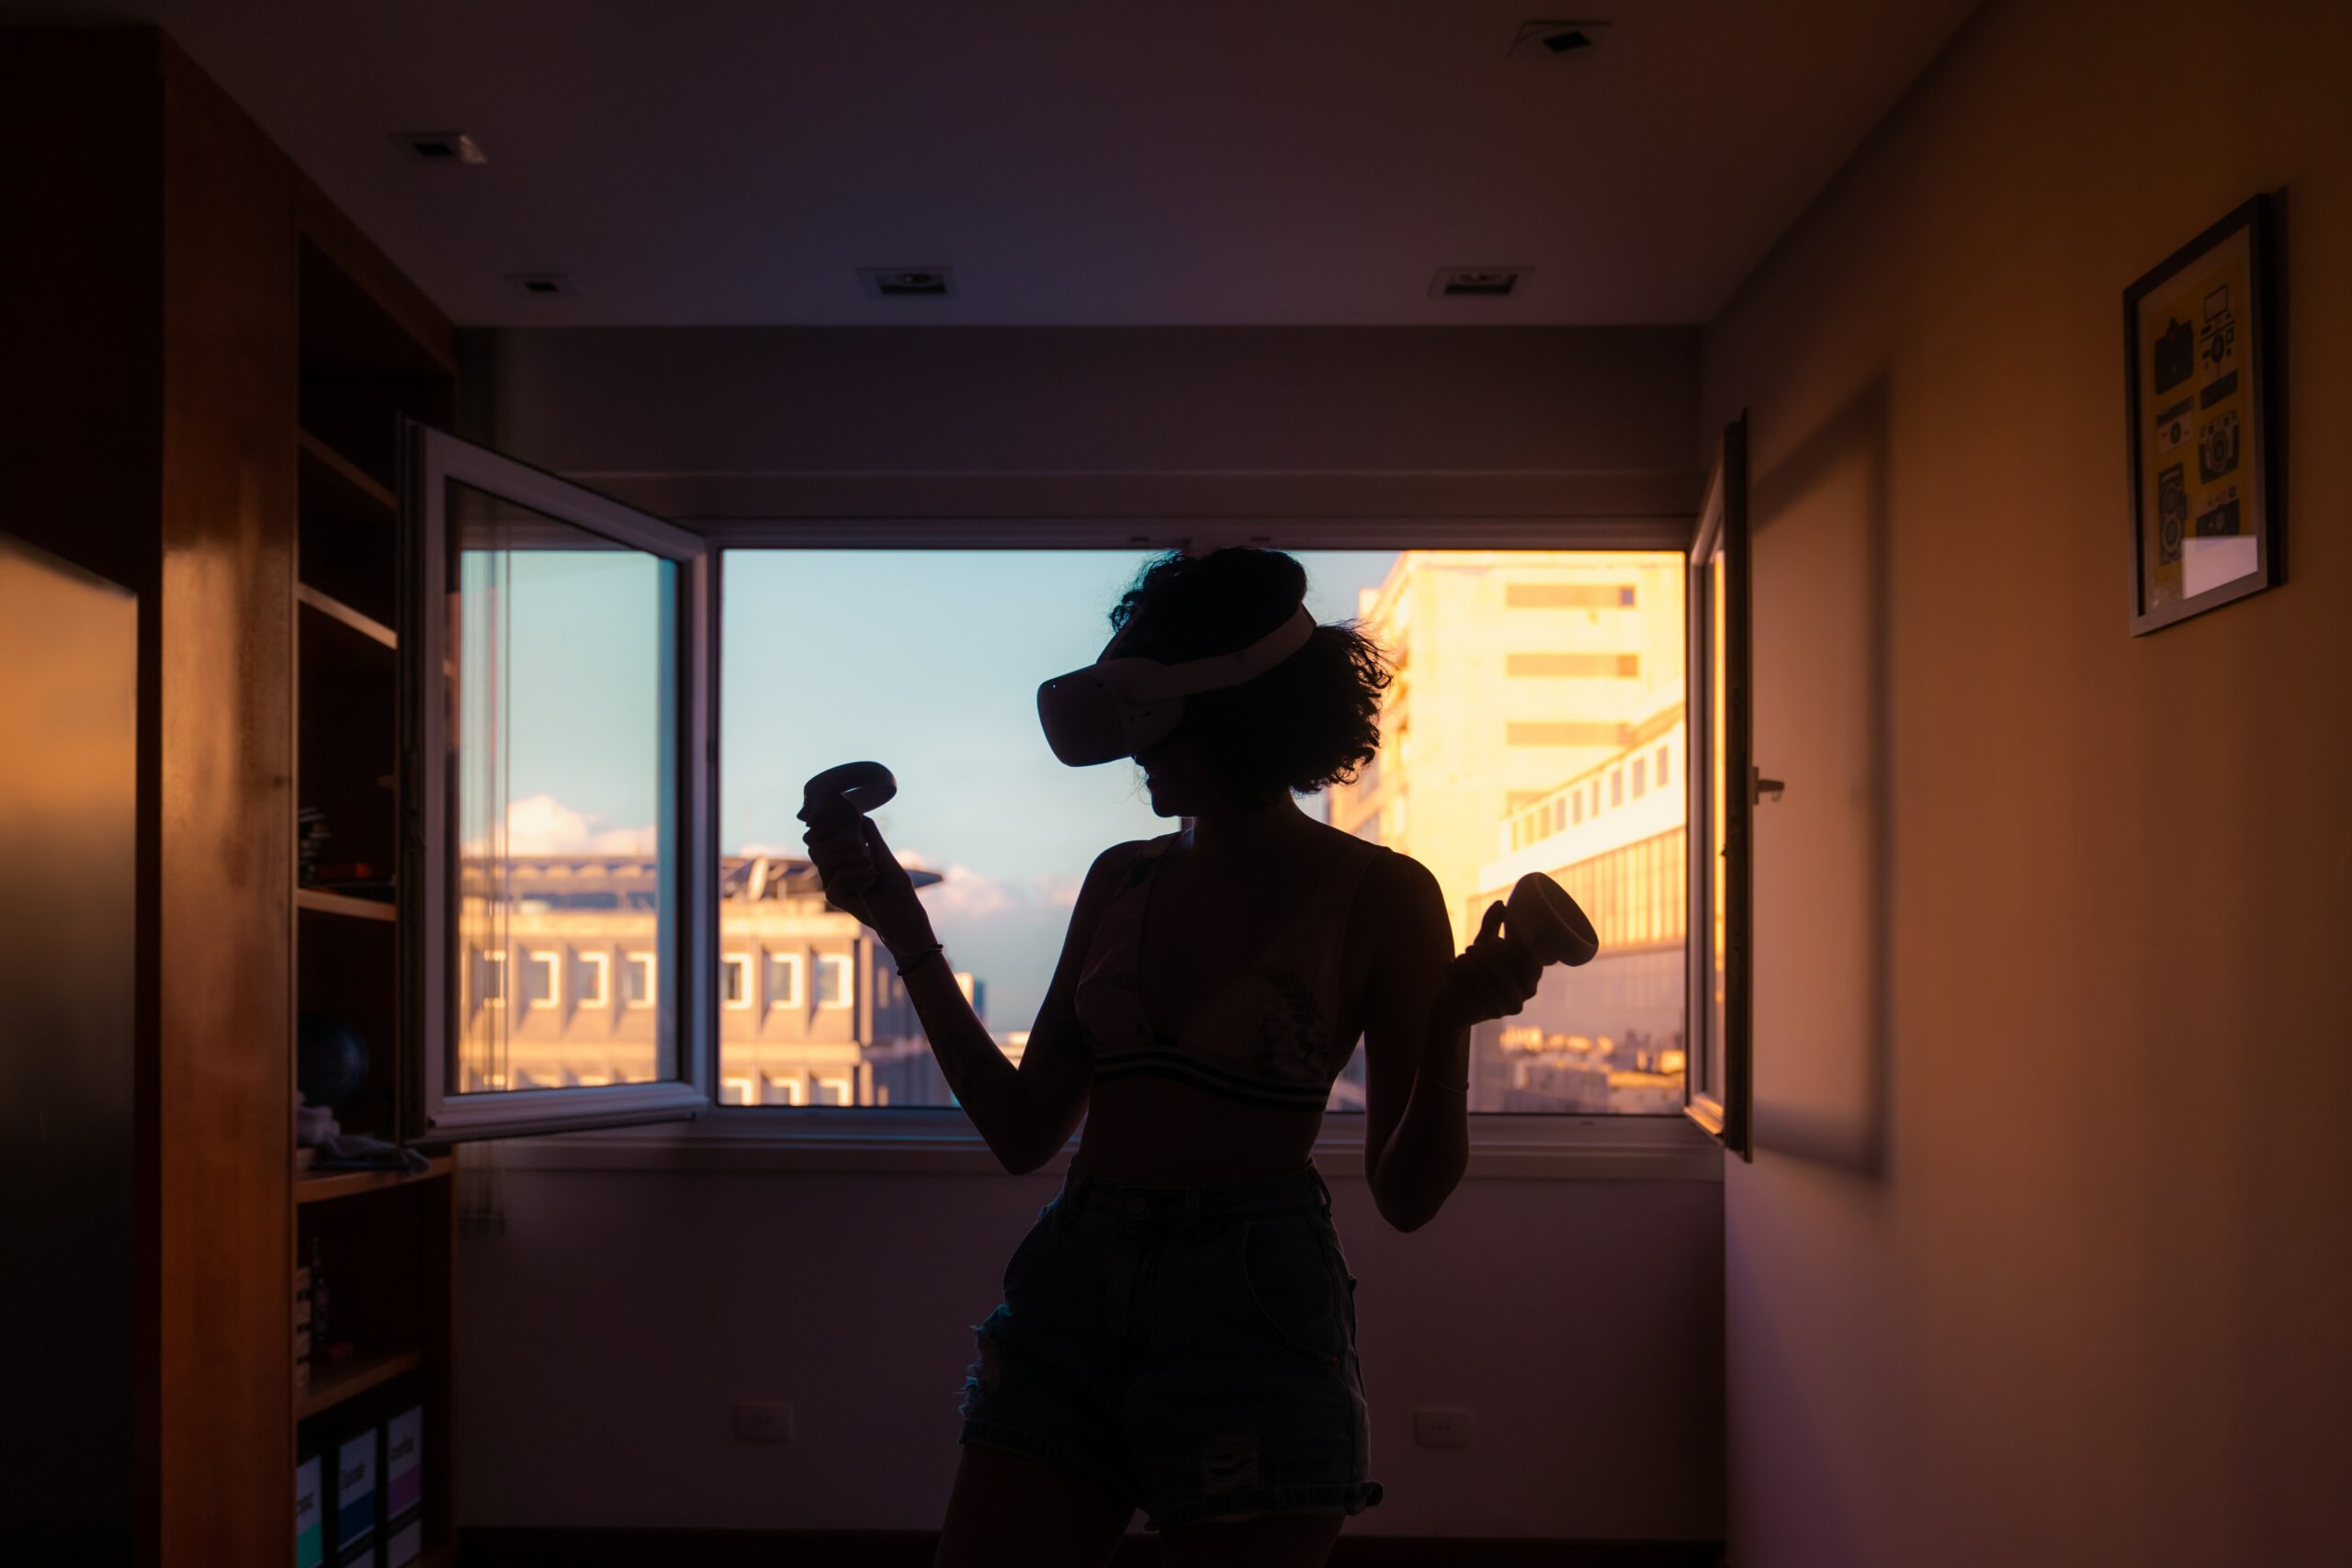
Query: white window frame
(791,961)
(938,1138)
(600,993)
(442,1110)
(847,966)
(749,997)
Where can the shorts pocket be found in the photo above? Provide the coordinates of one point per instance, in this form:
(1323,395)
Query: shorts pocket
(1292,1276)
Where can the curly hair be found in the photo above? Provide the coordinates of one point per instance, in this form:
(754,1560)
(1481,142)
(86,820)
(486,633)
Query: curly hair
(1311,721)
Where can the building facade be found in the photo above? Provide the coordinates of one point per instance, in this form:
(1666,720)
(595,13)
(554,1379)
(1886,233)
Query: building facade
(561,967)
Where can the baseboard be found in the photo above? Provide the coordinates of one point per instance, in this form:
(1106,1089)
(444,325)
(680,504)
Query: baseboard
(513,1548)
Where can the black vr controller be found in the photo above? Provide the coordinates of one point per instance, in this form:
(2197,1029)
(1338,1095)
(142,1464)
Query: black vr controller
(839,796)
(1542,918)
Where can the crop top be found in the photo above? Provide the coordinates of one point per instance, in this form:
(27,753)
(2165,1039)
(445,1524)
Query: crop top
(1268,1036)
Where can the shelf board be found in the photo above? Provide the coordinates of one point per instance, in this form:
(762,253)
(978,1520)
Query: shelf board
(365,625)
(351,1378)
(319,901)
(319,1187)
(333,467)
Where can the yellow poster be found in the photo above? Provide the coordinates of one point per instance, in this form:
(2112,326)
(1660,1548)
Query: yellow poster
(2201,506)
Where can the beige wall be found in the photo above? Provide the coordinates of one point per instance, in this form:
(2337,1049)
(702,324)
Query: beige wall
(2042,1259)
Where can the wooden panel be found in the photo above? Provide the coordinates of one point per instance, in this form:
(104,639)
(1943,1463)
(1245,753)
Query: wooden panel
(80,300)
(223,1084)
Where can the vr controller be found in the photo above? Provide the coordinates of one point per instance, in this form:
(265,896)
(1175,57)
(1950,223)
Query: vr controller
(839,796)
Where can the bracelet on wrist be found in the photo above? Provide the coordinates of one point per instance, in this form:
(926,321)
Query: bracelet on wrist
(910,961)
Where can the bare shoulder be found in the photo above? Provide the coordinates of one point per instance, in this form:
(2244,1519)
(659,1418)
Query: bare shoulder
(1398,897)
(1103,876)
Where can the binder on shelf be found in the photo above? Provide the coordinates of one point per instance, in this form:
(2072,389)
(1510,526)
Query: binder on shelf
(354,1499)
(308,1509)
(404,1487)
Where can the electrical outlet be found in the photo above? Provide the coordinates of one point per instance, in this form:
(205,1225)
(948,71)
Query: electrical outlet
(1441,1427)
(758,1423)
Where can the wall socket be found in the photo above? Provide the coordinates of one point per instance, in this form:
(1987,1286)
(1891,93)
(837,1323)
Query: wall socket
(758,1423)
(1442,1427)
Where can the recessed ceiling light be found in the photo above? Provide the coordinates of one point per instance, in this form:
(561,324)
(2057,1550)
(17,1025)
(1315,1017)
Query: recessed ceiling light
(1557,41)
(542,284)
(440,147)
(906,282)
(1478,282)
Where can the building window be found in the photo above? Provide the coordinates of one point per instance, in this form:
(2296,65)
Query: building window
(636,980)
(833,972)
(1641,778)
(737,1091)
(542,979)
(735,979)
(784,979)
(1575,806)
(1574,666)
(787,1091)
(1567,596)
(1563,732)
(1616,787)
(595,979)
(1660,760)
(834,1091)
(490,979)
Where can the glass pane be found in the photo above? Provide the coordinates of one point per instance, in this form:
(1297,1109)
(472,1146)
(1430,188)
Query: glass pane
(1536,692)
(1718,802)
(563,666)
(1527,681)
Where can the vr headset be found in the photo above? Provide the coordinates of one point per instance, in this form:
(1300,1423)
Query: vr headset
(1116,707)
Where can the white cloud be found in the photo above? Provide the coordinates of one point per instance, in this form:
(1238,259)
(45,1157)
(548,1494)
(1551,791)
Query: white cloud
(542,825)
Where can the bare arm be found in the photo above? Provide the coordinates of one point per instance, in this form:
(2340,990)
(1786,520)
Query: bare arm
(1023,1113)
(1417,1040)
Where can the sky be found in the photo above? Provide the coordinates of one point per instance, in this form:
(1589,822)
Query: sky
(927,662)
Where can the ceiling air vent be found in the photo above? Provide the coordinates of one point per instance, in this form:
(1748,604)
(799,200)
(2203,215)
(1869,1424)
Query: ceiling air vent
(1557,41)
(1478,282)
(543,284)
(440,147)
(906,282)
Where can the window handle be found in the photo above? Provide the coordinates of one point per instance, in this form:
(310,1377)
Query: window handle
(1761,788)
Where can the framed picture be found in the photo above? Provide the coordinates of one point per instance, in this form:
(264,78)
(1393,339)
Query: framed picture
(2197,356)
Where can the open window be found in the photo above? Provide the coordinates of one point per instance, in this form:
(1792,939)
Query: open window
(1721,781)
(558,800)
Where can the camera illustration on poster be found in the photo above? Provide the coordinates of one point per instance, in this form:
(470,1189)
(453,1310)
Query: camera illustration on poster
(2172,512)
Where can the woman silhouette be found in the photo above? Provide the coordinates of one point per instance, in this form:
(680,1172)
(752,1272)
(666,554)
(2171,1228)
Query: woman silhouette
(1178,1329)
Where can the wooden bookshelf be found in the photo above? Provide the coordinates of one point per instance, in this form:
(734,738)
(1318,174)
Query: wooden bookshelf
(350,1379)
(371,353)
(324,1185)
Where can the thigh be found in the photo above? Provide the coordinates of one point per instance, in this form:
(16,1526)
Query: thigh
(1271,1541)
(1015,1511)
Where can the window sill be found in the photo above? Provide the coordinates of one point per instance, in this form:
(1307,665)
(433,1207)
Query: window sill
(1587,1148)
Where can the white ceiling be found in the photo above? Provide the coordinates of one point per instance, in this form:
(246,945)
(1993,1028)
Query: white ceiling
(1087,163)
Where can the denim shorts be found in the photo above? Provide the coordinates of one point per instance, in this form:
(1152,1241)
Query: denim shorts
(1193,1348)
